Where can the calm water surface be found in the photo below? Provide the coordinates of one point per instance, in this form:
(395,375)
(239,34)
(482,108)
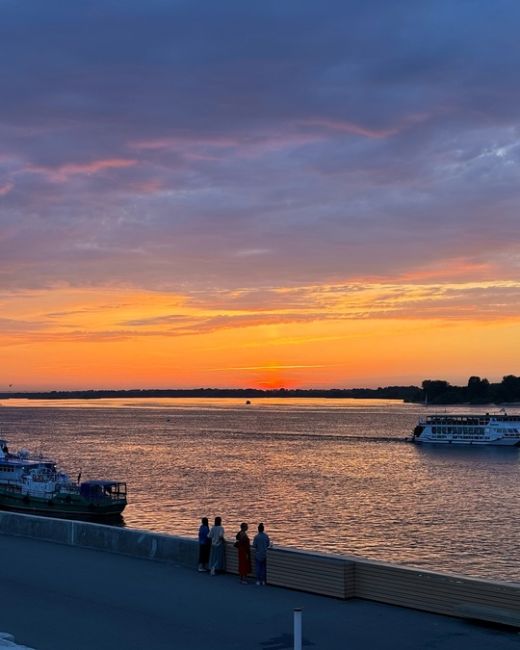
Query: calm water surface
(330,475)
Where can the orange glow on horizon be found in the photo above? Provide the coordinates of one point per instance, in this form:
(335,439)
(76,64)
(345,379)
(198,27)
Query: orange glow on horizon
(328,336)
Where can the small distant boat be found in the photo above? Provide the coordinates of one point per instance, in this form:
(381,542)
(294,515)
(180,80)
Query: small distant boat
(487,429)
(248,402)
(36,485)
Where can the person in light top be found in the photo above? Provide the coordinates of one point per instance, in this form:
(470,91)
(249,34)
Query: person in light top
(261,543)
(216,535)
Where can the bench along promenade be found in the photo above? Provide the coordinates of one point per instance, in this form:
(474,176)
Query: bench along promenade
(67,584)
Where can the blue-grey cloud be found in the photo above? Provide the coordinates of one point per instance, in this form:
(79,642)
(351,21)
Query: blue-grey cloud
(159,143)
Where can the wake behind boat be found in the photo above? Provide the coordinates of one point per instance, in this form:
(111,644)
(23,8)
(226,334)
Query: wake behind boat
(36,485)
(488,429)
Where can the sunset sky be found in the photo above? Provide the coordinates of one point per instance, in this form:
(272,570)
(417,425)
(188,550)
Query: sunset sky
(265,194)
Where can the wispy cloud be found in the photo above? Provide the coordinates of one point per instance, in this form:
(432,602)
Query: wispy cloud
(273,367)
(5,188)
(343,126)
(253,252)
(64,172)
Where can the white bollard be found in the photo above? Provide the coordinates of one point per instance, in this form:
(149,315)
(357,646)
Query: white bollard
(298,629)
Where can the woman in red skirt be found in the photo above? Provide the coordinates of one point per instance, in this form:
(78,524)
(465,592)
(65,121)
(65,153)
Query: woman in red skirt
(244,554)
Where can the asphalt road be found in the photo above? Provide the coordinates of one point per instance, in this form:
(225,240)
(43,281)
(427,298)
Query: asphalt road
(55,597)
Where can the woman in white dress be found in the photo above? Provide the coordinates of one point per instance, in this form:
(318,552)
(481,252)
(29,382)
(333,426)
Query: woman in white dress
(217,559)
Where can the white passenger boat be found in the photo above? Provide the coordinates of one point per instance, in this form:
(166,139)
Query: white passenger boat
(487,429)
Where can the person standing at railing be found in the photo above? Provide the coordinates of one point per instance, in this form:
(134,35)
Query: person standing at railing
(204,544)
(244,553)
(217,557)
(261,543)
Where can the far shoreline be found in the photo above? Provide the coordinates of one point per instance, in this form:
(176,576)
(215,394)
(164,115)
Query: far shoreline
(405,394)
(393,392)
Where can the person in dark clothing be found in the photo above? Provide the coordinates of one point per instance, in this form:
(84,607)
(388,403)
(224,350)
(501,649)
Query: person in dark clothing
(204,544)
(244,553)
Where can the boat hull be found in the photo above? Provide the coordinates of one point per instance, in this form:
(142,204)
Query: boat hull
(463,443)
(61,506)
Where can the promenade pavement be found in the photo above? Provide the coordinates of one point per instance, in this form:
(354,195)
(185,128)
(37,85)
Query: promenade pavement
(56,597)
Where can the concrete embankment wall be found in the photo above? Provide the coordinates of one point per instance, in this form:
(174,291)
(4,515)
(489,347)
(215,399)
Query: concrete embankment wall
(330,575)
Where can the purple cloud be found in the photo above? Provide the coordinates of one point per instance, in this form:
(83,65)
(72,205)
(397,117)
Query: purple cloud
(167,145)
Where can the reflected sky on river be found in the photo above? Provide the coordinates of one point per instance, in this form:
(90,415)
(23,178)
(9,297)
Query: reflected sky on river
(331,475)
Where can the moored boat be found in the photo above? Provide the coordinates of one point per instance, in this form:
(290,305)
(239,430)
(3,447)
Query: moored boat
(486,429)
(36,485)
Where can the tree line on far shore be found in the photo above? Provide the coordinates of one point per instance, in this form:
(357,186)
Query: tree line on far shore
(431,391)
(477,391)
(388,392)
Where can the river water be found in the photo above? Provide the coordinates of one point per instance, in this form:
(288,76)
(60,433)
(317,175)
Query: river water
(328,475)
